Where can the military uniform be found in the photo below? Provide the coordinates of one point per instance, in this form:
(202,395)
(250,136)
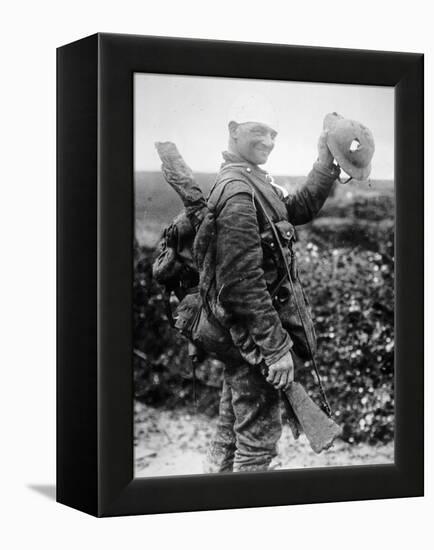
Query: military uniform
(256,304)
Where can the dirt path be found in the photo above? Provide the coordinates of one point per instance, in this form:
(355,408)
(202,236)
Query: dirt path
(175,442)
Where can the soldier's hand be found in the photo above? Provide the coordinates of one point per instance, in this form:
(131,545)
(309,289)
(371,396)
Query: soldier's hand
(324,155)
(281,373)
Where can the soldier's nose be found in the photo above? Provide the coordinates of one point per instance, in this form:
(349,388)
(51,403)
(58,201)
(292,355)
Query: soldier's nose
(268,141)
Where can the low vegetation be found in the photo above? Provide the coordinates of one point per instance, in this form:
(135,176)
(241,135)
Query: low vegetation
(346,264)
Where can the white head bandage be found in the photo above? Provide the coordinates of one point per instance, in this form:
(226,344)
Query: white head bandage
(253,108)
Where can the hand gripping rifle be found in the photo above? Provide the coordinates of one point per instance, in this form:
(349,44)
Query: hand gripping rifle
(304,414)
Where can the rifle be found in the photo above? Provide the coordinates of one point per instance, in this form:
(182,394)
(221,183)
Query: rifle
(320,430)
(304,415)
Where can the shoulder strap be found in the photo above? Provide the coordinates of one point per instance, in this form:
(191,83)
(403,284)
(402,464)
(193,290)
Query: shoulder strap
(231,175)
(219,187)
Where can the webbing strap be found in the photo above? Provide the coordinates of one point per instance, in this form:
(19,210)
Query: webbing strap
(324,399)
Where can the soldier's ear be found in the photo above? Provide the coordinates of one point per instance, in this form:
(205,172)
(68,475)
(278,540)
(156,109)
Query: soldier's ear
(233,129)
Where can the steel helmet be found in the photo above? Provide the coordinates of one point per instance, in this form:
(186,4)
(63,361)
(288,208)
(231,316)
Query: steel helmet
(351,144)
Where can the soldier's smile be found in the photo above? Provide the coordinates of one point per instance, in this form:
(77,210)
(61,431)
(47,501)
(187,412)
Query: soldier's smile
(255,141)
(264,151)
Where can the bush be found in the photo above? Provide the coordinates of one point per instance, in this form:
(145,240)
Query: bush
(371,206)
(351,293)
(347,233)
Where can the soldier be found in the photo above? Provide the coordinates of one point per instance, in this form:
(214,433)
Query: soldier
(251,290)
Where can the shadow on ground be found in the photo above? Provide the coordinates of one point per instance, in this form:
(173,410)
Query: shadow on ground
(48,491)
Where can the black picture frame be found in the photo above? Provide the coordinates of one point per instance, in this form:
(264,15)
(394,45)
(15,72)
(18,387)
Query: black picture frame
(95,202)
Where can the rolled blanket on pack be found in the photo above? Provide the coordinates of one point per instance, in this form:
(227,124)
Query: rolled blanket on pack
(180,177)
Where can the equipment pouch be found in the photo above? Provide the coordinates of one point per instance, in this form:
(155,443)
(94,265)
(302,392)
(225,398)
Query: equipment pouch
(209,335)
(286,232)
(174,252)
(287,236)
(166,265)
(203,329)
(272,255)
(187,313)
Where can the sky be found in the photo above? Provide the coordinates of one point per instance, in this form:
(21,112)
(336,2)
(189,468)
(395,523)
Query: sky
(194,111)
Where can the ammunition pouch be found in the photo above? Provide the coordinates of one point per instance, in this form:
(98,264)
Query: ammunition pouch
(286,232)
(302,331)
(280,290)
(273,268)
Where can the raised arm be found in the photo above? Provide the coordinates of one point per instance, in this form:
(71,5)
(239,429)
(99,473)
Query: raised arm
(305,204)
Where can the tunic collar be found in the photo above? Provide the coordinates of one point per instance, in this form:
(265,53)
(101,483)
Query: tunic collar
(232,158)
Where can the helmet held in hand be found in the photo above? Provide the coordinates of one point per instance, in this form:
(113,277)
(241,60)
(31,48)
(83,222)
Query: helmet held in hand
(351,144)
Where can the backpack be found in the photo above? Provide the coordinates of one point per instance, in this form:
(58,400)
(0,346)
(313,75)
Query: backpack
(174,267)
(185,266)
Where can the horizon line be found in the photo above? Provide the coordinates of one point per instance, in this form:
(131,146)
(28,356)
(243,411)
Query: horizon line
(390,178)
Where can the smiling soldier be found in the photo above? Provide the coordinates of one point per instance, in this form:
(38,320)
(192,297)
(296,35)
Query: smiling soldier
(253,298)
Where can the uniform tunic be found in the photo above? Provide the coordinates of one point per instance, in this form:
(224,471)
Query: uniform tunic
(262,328)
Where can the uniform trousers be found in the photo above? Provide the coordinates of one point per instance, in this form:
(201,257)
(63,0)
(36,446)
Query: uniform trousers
(249,424)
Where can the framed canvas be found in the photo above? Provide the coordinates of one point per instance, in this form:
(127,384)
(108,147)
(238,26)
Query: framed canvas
(116,96)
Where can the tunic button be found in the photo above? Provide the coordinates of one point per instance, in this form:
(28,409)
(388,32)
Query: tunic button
(248,169)
(288,234)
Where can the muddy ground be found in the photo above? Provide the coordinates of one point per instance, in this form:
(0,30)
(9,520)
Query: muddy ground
(175,442)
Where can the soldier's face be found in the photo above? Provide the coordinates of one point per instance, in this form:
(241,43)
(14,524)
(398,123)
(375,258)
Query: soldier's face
(253,141)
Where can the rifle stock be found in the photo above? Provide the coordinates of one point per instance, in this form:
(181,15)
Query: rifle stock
(320,429)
